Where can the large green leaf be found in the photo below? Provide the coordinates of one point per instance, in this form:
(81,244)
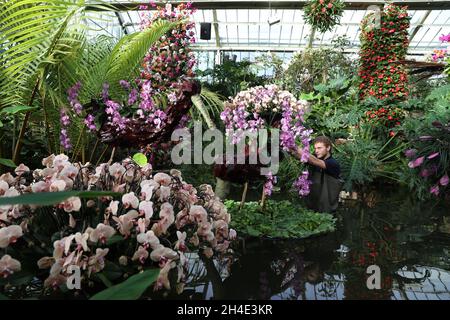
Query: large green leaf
(7,162)
(140,159)
(130,289)
(50,198)
(16,109)
(131,49)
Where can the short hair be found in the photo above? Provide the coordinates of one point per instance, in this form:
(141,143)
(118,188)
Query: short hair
(325,140)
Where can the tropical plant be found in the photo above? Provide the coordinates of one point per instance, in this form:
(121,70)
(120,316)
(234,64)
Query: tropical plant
(230,77)
(315,66)
(43,45)
(429,147)
(364,158)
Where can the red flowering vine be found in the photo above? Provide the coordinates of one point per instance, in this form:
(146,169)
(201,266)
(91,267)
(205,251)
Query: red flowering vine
(388,117)
(382,47)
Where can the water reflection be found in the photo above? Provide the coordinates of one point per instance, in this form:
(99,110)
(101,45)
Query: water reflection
(408,241)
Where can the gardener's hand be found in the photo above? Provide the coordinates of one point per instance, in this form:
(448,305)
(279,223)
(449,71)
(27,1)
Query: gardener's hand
(296,152)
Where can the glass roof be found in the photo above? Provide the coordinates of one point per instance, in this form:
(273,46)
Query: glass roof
(249,30)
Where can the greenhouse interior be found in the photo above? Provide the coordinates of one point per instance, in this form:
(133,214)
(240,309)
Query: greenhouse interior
(224,150)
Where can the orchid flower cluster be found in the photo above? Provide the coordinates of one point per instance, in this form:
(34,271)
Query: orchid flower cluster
(138,104)
(170,60)
(270,107)
(432,168)
(162,215)
(440,55)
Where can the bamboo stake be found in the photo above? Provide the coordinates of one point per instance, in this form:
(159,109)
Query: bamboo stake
(244,195)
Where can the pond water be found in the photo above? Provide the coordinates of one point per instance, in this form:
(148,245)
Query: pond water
(407,240)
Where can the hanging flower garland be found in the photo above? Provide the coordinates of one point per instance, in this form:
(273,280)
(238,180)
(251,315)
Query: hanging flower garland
(323,15)
(381,75)
(170,61)
(135,119)
(270,107)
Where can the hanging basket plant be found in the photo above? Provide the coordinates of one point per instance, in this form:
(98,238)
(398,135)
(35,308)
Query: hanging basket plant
(323,15)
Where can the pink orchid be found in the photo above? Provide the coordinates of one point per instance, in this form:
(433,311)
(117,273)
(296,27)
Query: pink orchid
(232,234)
(130,200)
(81,240)
(146,207)
(147,192)
(9,235)
(113,207)
(198,214)
(96,263)
(162,178)
(161,252)
(101,233)
(116,170)
(148,238)
(57,185)
(204,229)
(180,244)
(444,180)
(48,162)
(69,171)
(21,169)
(416,163)
(166,212)
(125,222)
(8,266)
(8,177)
(4,186)
(434,155)
(40,186)
(163,277)
(435,190)
(164,193)
(72,204)
(141,254)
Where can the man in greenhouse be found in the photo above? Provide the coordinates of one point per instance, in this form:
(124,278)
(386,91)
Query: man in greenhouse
(324,173)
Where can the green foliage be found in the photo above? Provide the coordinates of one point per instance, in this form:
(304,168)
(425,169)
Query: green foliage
(364,159)
(312,67)
(334,108)
(7,162)
(130,289)
(434,125)
(279,219)
(229,78)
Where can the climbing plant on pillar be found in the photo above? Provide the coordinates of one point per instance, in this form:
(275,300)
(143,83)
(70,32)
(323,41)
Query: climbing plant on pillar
(383,45)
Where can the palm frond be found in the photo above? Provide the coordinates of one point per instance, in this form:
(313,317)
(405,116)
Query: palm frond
(33,36)
(128,53)
(207,105)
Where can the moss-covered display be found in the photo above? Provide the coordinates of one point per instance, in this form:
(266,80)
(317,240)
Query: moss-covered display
(279,219)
